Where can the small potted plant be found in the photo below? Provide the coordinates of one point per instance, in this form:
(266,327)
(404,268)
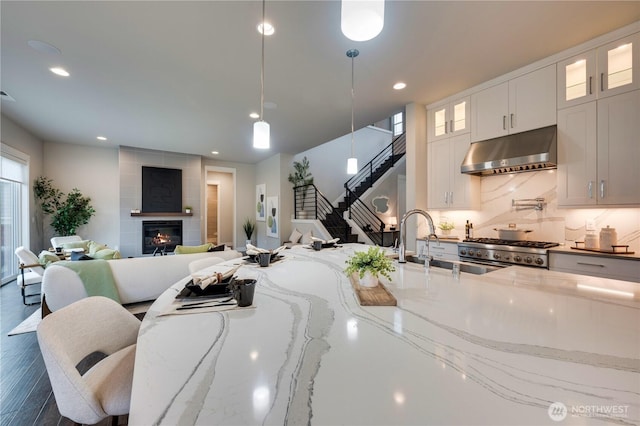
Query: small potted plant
(187,209)
(249,227)
(446,227)
(369,265)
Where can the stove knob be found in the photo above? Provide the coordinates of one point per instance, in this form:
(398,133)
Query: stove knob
(496,256)
(517,258)
(539,261)
(528,259)
(479,254)
(470,252)
(463,252)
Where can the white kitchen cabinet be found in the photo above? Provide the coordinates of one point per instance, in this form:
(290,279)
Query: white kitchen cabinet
(523,103)
(596,265)
(619,149)
(606,71)
(599,153)
(449,119)
(577,148)
(448,188)
(445,250)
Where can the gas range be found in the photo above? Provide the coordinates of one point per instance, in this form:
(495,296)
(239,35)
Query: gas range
(494,251)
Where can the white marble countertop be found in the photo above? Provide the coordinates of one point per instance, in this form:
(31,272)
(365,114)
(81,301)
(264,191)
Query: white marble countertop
(478,350)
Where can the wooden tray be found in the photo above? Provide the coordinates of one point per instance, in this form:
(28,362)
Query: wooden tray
(372,296)
(606,251)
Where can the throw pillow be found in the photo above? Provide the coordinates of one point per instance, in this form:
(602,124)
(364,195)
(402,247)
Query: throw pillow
(220,247)
(84,244)
(306,237)
(46,258)
(295,236)
(96,247)
(107,254)
(191,249)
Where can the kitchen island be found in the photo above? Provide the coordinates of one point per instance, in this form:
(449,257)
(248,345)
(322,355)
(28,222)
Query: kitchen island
(514,346)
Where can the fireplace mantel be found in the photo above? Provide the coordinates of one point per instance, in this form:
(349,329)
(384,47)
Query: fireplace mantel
(156,214)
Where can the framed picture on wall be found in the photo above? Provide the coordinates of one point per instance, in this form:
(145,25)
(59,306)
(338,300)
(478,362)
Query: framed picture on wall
(273,221)
(261,194)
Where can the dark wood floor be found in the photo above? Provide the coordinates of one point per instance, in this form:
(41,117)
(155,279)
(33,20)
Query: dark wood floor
(25,391)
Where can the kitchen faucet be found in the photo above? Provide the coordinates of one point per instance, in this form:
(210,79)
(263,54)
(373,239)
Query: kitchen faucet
(403,234)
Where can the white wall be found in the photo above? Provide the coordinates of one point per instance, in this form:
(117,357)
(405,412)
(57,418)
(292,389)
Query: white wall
(328,162)
(95,172)
(273,172)
(16,137)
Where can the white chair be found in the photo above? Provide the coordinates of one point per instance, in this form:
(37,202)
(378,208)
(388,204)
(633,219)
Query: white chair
(59,241)
(28,262)
(66,337)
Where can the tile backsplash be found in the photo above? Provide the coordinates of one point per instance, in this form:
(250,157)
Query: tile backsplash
(552,223)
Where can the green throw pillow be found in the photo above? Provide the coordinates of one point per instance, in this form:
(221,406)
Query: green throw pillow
(95,247)
(192,249)
(46,258)
(107,254)
(84,244)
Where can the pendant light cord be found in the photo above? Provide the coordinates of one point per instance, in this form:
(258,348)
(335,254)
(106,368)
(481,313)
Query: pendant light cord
(352,103)
(262,64)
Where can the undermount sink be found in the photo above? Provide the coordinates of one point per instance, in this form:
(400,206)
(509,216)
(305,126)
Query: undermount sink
(471,268)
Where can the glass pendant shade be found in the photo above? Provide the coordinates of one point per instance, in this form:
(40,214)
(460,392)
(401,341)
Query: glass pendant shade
(362,20)
(261,135)
(352,166)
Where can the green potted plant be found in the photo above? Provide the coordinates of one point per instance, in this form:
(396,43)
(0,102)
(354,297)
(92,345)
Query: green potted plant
(369,265)
(187,209)
(67,214)
(301,177)
(249,227)
(446,227)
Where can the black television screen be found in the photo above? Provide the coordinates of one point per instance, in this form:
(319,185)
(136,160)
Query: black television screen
(161,190)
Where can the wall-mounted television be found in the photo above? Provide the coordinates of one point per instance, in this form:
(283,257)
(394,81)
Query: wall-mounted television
(161,190)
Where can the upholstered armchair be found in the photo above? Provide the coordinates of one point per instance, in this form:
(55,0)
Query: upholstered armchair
(31,272)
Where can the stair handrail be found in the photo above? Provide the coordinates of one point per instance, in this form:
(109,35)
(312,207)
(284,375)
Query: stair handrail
(366,219)
(321,209)
(396,149)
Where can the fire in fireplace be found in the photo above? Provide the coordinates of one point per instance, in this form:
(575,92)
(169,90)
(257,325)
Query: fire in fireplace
(161,236)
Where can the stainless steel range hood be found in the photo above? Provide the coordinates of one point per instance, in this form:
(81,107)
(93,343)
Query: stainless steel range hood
(520,152)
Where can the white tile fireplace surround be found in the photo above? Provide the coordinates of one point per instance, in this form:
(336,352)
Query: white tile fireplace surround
(551,224)
(131,161)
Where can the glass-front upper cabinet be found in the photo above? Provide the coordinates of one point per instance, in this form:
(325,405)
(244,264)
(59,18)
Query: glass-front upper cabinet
(609,70)
(448,120)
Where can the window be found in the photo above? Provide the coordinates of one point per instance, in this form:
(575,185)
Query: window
(398,123)
(14,210)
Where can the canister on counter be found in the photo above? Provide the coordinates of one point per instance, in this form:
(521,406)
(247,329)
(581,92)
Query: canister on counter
(608,238)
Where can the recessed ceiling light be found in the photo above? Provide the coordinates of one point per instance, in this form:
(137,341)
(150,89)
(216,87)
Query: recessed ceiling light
(59,71)
(399,85)
(43,47)
(215,152)
(268,28)
(101,138)
(254,115)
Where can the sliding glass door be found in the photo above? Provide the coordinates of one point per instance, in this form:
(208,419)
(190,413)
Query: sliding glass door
(14,211)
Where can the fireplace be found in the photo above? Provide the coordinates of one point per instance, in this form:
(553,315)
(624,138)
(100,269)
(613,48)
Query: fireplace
(161,236)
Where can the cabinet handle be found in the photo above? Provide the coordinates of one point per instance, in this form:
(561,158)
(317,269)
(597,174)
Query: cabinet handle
(504,122)
(590,189)
(451,197)
(590,85)
(451,126)
(446,197)
(437,248)
(446,128)
(590,264)
(511,120)
(602,188)
(602,82)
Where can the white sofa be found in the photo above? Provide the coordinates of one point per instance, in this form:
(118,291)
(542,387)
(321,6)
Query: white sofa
(137,279)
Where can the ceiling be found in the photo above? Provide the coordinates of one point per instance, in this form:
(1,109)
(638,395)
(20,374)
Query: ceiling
(183,76)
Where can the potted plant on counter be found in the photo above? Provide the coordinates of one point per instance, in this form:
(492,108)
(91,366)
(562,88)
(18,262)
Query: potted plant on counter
(249,227)
(446,227)
(369,265)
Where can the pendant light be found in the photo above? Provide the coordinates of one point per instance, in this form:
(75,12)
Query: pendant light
(261,129)
(352,162)
(362,20)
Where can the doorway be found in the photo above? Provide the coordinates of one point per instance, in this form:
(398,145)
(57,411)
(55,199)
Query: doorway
(220,205)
